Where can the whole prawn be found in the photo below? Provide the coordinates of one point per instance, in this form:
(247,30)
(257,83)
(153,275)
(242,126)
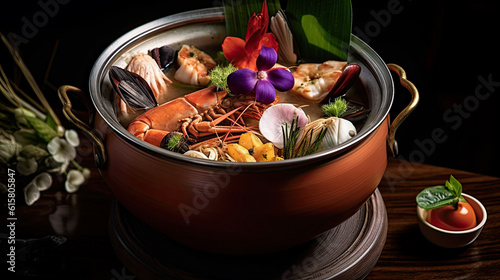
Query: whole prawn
(315,81)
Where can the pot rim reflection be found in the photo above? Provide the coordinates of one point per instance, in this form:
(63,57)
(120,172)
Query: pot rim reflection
(215,15)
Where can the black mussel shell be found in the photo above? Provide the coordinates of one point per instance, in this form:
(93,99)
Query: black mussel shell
(164,56)
(132,89)
(345,81)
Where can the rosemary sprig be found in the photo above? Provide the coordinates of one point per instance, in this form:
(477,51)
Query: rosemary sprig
(290,138)
(309,145)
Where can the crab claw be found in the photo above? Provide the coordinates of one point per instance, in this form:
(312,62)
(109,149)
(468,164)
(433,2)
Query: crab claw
(132,89)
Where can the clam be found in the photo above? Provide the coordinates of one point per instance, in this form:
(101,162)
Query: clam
(195,154)
(338,131)
(279,27)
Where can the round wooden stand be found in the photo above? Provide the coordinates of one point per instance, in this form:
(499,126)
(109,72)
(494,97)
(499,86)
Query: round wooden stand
(348,251)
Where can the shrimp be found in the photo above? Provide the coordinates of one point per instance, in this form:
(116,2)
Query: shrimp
(146,67)
(315,81)
(194,65)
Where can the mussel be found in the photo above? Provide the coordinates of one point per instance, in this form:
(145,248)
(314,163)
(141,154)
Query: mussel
(132,89)
(164,56)
(347,78)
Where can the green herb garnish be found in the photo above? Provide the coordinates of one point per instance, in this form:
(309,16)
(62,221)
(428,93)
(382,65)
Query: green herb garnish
(309,146)
(439,196)
(218,75)
(336,108)
(290,138)
(175,142)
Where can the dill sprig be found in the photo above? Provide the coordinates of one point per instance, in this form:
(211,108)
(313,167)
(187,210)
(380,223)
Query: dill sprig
(336,108)
(218,75)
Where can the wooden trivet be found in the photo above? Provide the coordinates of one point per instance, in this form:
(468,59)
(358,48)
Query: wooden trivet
(348,251)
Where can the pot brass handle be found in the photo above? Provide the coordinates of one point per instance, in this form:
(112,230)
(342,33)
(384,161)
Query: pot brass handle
(391,141)
(100,156)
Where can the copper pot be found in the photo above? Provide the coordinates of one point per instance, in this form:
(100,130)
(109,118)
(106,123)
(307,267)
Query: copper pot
(237,208)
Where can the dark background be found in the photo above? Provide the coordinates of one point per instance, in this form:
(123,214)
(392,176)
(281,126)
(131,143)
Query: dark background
(445,47)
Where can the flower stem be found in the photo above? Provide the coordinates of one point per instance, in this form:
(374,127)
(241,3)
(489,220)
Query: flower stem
(77,165)
(31,80)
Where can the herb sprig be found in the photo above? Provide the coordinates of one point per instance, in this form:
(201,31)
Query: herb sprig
(307,146)
(439,196)
(336,108)
(290,137)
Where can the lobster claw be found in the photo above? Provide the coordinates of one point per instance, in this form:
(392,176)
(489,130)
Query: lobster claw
(132,89)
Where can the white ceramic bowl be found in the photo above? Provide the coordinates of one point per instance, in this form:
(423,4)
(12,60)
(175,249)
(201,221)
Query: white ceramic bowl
(453,239)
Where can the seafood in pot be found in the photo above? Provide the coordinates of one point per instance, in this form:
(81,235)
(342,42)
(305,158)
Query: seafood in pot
(315,81)
(197,113)
(194,66)
(147,68)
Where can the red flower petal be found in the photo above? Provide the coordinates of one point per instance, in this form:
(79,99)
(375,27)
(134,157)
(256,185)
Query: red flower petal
(269,40)
(234,49)
(258,23)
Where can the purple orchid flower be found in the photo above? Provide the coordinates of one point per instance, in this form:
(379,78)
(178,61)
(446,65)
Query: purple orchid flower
(265,81)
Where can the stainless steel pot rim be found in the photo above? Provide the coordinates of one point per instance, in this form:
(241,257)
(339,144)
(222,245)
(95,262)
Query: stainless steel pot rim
(99,74)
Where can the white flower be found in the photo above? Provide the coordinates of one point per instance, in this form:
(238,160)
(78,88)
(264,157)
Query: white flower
(31,194)
(61,150)
(73,180)
(42,181)
(86,173)
(26,166)
(72,137)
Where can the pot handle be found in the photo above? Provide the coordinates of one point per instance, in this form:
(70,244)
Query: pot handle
(391,141)
(100,156)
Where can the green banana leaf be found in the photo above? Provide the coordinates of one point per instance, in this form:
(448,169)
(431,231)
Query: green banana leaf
(321,30)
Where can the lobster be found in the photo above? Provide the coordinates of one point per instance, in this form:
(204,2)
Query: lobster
(197,113)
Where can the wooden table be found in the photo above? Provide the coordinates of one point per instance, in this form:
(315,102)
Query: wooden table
(87,254)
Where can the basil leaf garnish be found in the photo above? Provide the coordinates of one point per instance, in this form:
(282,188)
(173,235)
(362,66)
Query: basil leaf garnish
(439,196)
